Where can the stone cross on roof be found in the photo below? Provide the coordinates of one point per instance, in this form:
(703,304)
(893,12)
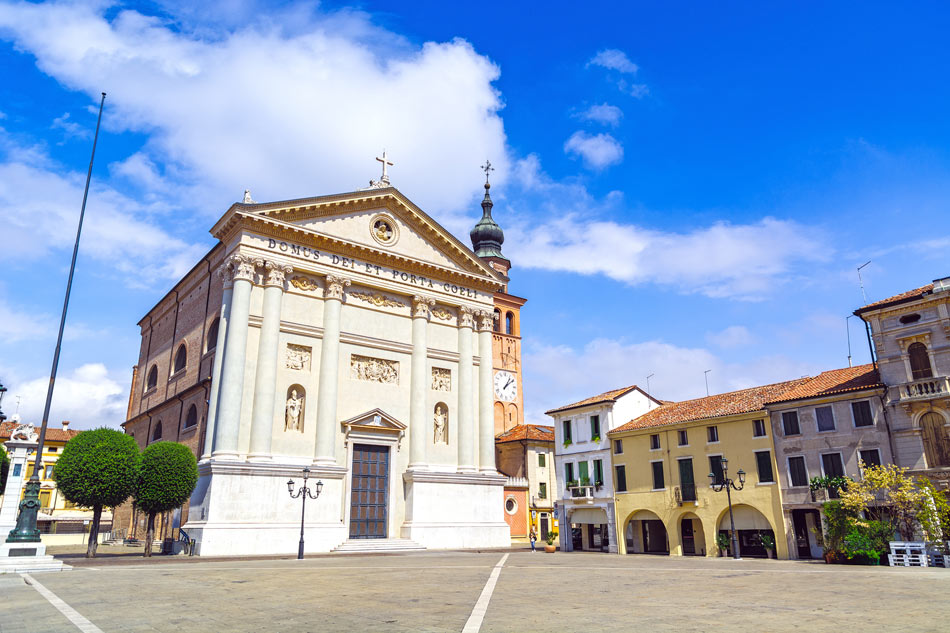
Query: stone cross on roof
(384,179)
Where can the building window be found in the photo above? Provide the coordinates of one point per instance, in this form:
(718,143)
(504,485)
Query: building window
(796,470)
(541,461)
(594,426)
(683,437)
(763,462)
(566,427)
(826,419)
(212,340)
(157,433)
(919,361)
(618,447)
(509,323)
(655,442)
(181,358)
(712,434)
(621,478)
(687,482)
(658,483)
(511,506)
(715,467)
(758,428)
(542,490)
(48,472)
(598,472)
(583,473)
(790,423)
(152,381)
(933,432)
(870,457)
(862,413)
(568,473)
(192,418)
(831,465)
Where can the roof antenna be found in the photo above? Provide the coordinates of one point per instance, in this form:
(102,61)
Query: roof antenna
(847,325)
(861,281)
(706,376)
(648,382)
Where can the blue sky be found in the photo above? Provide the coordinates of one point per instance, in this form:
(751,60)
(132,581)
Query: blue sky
(683,187)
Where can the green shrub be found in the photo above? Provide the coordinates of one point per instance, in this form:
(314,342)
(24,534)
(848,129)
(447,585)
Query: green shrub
(166,477)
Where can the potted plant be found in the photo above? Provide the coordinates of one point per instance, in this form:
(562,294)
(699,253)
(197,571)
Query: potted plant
(550,547)
(585,481)
(595,439)
(768,542)
(567,442)
(722,541)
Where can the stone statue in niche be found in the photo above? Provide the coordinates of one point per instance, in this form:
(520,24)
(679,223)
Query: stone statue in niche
(293,420)
(441,424)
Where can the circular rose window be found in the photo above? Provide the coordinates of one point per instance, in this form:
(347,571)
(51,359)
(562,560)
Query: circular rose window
(384,230)
(511,506)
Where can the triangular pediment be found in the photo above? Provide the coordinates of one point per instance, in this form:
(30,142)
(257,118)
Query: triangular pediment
(375,420)
(383,220)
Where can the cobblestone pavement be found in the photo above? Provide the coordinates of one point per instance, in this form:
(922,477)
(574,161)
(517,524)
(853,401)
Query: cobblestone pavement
(438,591)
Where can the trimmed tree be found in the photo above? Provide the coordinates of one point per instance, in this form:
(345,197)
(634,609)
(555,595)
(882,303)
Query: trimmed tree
(167,475)
(95,470)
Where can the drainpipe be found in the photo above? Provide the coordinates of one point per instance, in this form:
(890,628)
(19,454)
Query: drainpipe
(887,425)
(867,330)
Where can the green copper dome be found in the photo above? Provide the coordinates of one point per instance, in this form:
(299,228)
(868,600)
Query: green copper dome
(487,236)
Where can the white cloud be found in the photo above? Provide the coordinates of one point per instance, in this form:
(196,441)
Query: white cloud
(730,337)
(603,113)
(87,396)
(614,59)
(634,90)
(17,324)
(71,128)
(286,109)
(598,151)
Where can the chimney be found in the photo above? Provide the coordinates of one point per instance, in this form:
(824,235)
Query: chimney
(65,425)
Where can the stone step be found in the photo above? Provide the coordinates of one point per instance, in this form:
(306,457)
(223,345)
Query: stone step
(362,546)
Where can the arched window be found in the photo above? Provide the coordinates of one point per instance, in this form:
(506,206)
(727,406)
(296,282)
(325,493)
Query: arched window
(192,418)
(509,323)
(213,335)
(497,321)
(181,358)
(157,432)
(152,380)
(919,361)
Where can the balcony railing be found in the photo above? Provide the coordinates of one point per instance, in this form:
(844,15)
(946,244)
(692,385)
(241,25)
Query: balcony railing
(924,389)
(582,492)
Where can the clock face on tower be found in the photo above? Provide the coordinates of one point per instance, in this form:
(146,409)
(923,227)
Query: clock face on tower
(506,386)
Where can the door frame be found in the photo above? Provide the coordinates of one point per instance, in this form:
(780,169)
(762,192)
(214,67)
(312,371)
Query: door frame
(348,488)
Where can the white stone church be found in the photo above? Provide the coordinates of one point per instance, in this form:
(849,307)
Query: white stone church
(351,334)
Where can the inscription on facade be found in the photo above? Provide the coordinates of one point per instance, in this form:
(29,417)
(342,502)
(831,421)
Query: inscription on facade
(374,369)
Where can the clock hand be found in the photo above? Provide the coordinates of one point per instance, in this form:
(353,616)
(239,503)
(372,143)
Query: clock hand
(510,380)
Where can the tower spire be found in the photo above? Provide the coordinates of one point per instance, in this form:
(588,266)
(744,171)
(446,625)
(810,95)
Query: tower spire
(487,236)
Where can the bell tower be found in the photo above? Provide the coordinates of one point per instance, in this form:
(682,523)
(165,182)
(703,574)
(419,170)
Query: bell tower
(487,238)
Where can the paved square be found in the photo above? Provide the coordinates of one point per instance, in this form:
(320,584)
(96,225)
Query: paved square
(439,591)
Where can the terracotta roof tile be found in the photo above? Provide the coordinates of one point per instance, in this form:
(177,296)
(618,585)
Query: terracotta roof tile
(535,432)
(52,434)
(835,381)
(732,403)
(607,396)
(903,297)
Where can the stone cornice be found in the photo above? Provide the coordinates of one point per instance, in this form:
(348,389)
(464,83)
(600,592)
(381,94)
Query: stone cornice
(215,467)
(472,479)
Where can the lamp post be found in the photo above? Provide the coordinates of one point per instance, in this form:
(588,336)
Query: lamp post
(728,483)
(303,493)
(3,390)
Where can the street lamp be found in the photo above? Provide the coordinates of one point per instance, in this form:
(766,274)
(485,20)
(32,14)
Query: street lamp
(728,483)
(303,493)
(3,390)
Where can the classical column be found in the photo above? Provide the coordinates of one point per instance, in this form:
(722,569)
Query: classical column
(486,412)
(231,391)
(265,381)
(224,272)
(419,384)
(466,391)
(325,449)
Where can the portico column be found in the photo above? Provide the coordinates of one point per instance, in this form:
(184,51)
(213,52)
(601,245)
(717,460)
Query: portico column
(486,414)
(224,272)
(466,391)
(325,449)
(418,384)
(231,391)
(265,380)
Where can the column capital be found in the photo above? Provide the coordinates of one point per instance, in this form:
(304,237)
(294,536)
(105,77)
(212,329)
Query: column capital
(226,275)
(486,319)
(334,287)
(241,267)
(274,273)
(466,316)
(421,306)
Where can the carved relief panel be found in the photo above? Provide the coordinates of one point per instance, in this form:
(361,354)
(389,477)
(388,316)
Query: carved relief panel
(374,369)
(441,379)
(298,357)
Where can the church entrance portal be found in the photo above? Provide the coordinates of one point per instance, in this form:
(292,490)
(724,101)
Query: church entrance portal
(369,499)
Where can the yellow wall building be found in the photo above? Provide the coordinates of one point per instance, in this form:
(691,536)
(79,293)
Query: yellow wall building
(664,500)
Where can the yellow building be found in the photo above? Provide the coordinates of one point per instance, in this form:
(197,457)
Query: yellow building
(59,521)
(665,503)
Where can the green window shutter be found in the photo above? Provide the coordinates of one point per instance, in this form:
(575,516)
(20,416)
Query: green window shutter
(568,473)
(599,472)
(621,472)
(583,472)
(763,461)
(658,475)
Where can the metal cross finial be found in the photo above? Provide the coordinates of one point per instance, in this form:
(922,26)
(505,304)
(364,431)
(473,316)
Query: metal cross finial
(385,161)
(487,168)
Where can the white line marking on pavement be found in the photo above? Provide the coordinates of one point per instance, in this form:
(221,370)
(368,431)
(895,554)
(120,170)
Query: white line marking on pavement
(474,622)
(71,614)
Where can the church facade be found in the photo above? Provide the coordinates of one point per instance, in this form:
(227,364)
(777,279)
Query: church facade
(350,334)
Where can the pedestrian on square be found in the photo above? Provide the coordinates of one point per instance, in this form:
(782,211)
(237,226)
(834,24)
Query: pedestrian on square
(534,537)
